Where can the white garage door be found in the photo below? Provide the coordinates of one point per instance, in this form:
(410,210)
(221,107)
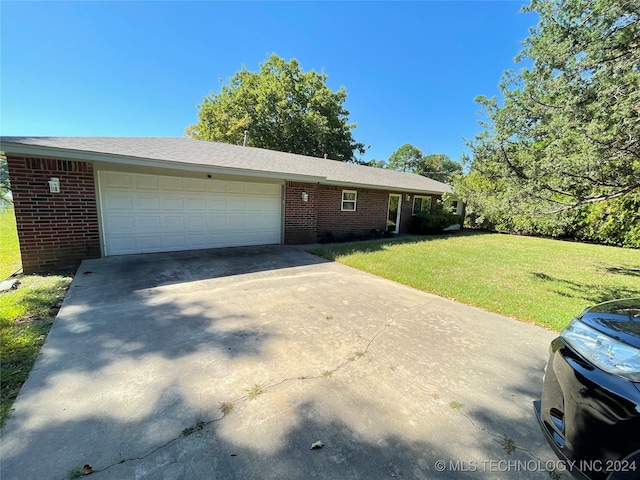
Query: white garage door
(153,213)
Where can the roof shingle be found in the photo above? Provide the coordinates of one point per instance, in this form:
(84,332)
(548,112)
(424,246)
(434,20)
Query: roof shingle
(189,151)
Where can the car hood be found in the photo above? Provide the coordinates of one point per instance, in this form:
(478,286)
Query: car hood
(619,319)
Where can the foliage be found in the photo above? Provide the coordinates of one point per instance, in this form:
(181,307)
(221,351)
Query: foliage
(375,163)
(282,108)
(405,158)
(616,222)
(434,221)
(26,317)
(567,134)
(5,184)
(329,237)
(534,279)
(437,166)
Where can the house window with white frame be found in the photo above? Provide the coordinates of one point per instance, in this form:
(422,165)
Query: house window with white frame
(421,205)
(349,198)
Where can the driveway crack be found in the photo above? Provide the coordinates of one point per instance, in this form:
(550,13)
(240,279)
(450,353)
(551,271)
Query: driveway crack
(508,444)
(258,390)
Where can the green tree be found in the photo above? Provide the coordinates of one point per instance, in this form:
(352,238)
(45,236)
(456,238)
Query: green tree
(566,134)
(282,108)
(405,159)
(439,167)
(5,185)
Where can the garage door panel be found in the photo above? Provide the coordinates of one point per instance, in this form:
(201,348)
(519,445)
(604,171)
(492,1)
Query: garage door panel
(173,242)
(195,224)
(149,244)
(119,201)
(254,189)
(260,222)
(216,186)
(119,224)
(195,241)
(236,222)
(124,244)
(271,190)
(193,185)
(216,223)
(195,203)
(153,213)
(171,183)
(235,204)
(253,204)
(145,181)
(117,179)
(236,187)
(172,223)
(147,223)
(172,203)
(147,202)
(216,204)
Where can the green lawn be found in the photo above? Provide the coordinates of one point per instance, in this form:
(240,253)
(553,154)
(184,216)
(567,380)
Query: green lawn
(26,316)
(9,248)
(539,280)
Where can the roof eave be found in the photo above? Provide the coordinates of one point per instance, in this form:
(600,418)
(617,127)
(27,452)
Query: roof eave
(387,188)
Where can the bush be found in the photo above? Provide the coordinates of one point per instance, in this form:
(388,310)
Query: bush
(434,221)
(372,234)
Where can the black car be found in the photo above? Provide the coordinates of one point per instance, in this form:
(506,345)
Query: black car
(590,406)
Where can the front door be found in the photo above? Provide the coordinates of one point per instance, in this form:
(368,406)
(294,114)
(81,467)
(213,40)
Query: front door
(393,217)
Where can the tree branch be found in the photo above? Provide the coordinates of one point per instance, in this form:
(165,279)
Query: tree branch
(589,201)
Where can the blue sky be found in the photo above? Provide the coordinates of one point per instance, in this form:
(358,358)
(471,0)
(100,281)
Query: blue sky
(411,69)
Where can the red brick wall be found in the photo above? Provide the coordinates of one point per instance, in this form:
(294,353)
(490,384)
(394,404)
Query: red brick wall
(321,218)
(407,211)
(56,230)
(300,218)
(371,212)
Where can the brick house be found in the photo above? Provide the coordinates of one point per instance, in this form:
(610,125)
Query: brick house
(87,197)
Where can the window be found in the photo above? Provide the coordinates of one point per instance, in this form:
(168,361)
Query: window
(421,204)
(349,200)
(454,206)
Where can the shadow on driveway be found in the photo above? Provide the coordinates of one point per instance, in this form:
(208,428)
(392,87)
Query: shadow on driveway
(297,350)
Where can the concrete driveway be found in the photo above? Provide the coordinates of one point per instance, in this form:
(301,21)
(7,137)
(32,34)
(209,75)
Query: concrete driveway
(149,352)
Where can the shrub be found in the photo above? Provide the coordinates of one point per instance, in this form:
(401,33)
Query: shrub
(434,221)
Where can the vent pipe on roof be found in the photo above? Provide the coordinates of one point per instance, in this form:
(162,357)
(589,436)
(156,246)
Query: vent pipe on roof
(325,156)
(246,134)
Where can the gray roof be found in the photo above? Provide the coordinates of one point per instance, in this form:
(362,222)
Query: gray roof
(220,157)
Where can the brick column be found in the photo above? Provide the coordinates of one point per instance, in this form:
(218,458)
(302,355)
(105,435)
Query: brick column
(56,230)
(300,218)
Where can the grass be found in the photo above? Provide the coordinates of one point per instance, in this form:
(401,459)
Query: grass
(255,391)
(227,407)
(26,316)
(10,262)
(539,280)
(199,425)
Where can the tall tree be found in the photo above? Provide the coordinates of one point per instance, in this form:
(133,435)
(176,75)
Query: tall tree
(405,159)
(567,132)
(282,108)
(438,166)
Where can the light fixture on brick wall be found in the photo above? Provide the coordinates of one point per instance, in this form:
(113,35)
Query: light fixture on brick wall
(407,197)
(54,185)
(305,197)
